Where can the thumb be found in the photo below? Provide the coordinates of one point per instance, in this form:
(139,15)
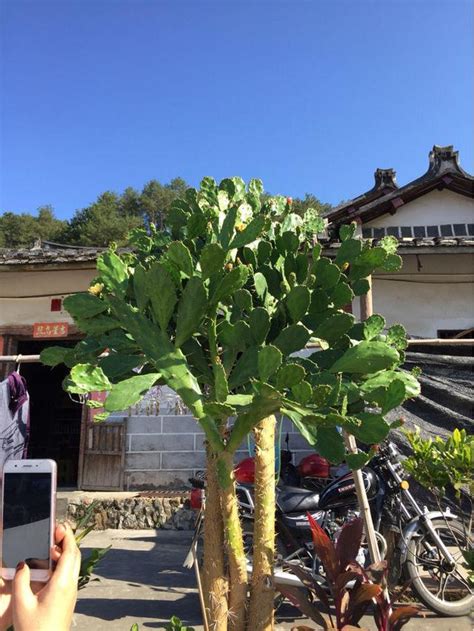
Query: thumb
(22,596)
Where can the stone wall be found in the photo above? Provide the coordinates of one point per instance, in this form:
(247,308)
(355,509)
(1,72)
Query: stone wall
(171,513)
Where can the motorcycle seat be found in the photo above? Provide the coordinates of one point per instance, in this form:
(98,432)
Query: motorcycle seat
(292,499)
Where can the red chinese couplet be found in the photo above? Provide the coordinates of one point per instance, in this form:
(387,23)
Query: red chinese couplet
(50,329)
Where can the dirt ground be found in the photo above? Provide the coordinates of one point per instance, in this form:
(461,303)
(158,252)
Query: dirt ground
(142,580)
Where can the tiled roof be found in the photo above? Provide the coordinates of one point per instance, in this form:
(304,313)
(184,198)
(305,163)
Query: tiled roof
(47,252)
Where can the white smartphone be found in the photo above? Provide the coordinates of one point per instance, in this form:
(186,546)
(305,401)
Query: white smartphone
(28,517)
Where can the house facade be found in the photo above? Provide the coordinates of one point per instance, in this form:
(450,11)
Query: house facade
(157,443)
(433,219)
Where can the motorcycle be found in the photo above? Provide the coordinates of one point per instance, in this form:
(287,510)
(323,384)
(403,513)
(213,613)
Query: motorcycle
(427,545)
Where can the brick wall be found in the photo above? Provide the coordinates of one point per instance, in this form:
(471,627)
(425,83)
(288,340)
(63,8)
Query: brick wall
(164,450)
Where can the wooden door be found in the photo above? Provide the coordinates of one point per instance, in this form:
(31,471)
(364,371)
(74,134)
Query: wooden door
(102,452)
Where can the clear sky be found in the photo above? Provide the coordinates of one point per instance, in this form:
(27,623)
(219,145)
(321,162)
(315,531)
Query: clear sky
(309,95)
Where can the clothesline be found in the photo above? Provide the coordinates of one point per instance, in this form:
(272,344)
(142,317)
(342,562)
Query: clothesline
(31,359)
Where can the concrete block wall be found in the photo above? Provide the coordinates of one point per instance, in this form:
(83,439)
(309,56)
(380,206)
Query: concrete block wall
(164,451)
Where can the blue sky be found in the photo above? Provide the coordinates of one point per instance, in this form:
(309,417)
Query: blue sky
(308,95)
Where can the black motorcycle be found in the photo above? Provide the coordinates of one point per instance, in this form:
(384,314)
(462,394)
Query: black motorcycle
(427,544)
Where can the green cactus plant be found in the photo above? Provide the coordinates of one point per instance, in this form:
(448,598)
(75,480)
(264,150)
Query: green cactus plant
(215,308)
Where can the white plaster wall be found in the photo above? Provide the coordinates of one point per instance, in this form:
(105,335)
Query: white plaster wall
(425,308)
(25,297)
(433,209)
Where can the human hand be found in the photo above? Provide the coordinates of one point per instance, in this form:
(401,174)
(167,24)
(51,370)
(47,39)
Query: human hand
(46,606)
(6,619)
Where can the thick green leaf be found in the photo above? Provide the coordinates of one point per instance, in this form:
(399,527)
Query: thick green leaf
(269,360)
(181,257)
(243,299)
(197,359)
(393,263)
(385,378)
(289,375)
(366,357)
(369,260)
(264,250)
(236,336)
(261,407)
(249,234)
(334,327)
(212,260)
(245,369)
(221,387)
(162,294)
(86,378)
(395,395)
(297,302)
(293,338)
(342,295)
(357,461)
(113,272)
(303,392)
(219,410)
(231,282)
(53,355)
(360,287)
(389,244)
(97,325)
(373,428)
(116,364)
(191,310)
(397,337)
(261,286)
(227,229)
(259,321)
(84,305)
(130,391)
(373,326)
(140,287)
(330,444)
(327,274)
(347,231)
(348,251)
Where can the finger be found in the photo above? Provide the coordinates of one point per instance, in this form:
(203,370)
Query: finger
(59,533)
(56,552)
(23,597)
(68,565)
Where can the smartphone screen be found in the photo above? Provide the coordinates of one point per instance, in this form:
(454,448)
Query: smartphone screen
(26,519)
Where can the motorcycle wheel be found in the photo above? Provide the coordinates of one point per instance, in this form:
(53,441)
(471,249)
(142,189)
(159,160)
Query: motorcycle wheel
(444,591)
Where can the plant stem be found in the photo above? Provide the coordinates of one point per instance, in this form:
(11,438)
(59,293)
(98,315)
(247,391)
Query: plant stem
(263,591)
(235,544)
(214,575)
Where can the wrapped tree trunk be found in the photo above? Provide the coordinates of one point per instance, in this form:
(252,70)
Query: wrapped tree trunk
(262,594)
(235,546)
(214,574)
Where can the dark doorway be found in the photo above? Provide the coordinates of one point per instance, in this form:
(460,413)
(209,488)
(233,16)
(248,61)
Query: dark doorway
(55,420)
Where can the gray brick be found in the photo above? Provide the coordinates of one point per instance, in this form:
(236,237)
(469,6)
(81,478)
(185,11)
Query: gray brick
(180,425)
(144,425)
(160,442)
(145,480)
(296,441)
(177,460)
(151,460)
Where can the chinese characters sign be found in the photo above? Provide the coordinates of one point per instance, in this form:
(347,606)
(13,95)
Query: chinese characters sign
(50,329)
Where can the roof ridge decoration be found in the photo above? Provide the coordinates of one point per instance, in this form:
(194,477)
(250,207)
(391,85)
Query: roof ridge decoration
(444,172)
(444,159)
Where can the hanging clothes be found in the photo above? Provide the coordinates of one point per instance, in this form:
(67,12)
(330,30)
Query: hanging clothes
(14,418)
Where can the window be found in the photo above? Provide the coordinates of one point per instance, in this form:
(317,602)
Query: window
(460,229)
(446,230)
(419,232)
(470,229)
(433,231)
(393,231)
(367,233)
(406,231)
(379,233)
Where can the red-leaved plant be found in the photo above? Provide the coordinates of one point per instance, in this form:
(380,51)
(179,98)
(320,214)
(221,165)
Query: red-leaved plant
(350,587)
